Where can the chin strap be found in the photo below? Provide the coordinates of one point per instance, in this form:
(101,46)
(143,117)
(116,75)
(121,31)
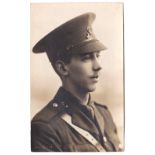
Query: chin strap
(67,118)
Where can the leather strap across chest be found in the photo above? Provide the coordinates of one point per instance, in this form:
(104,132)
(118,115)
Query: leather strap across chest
(67,118)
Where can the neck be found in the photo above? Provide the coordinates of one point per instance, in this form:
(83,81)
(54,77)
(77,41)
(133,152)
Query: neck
(81,95)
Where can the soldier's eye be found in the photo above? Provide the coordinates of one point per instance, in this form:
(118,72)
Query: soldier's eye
(86,57)
(98,55)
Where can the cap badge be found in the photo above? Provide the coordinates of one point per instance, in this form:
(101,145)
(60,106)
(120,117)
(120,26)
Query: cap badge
(89,33)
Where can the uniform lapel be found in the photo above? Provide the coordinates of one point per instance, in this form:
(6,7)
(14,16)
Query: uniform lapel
(99,119)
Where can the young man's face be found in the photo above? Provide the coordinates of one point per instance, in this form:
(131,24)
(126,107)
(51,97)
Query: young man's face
(83,71)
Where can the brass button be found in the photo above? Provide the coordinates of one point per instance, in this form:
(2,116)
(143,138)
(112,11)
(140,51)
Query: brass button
(55,105)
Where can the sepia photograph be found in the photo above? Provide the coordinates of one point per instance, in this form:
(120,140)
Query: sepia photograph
(77,77)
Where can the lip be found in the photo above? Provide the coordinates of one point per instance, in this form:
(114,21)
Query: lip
(94,78)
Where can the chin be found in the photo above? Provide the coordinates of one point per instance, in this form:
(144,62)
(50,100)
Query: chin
(91,89)
(88,88)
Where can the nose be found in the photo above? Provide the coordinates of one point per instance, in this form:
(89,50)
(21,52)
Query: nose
(96,65)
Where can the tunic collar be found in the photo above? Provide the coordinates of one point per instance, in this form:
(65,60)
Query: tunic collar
(79,112)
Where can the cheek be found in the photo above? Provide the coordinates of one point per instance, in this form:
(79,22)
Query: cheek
(81,70)
(76,70)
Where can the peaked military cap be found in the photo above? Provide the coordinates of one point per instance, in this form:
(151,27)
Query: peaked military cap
(74,36)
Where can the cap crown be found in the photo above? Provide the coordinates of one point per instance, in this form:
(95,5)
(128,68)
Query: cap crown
(73,36)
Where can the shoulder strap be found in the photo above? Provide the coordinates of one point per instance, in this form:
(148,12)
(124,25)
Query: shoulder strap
(85,134)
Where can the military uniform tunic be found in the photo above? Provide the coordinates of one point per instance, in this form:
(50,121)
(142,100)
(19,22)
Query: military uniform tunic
(49,132)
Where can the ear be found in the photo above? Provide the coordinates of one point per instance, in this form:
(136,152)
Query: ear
(61,68)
